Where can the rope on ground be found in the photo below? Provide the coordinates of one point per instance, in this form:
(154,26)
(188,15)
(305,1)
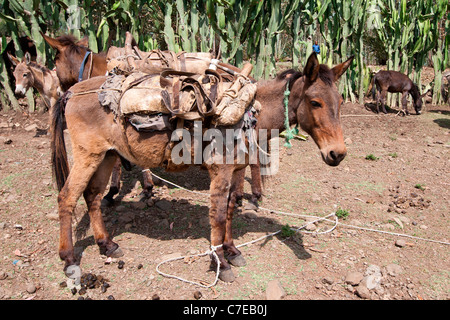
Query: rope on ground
(213,249)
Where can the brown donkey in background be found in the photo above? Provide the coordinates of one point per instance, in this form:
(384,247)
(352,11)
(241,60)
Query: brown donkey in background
(392,81)
(68,60)
(97,139)
(29,74)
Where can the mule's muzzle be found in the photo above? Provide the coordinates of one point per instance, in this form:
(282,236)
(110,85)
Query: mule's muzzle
(333,156)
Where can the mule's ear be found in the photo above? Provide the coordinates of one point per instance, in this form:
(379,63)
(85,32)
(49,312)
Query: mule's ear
(54,43)
(341,68)
(311,70)
(13,59)
(83,42)
(27,58)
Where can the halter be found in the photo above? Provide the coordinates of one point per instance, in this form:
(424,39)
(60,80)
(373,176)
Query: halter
(80,74)
(290,133)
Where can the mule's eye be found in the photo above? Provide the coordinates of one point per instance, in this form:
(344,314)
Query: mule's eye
(315,104)
(25,75)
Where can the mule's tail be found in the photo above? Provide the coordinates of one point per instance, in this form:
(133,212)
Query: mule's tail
(60,163)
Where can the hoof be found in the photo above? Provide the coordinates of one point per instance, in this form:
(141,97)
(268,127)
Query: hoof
(117,253)
(73,272)
(226,275)
(237,260)
(107,202)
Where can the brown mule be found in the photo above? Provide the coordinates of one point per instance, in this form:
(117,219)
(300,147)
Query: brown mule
(393,81)
(311,108)
(97,139)
(69,58)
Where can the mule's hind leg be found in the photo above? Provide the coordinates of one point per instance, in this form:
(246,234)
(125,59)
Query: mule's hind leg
(77,181)
(382,100)
(93,196)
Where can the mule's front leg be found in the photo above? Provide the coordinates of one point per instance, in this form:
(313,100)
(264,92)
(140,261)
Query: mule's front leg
(405,102)
(219,190)
(255,170)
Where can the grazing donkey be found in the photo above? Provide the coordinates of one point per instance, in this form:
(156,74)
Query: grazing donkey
(393,81)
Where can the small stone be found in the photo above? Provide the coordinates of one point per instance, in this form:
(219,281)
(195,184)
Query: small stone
(3,275)
(371,282)
(354,277)
(155,297)
(120,264)
(394,269)
(363,292)
(400,243)
(164,205)
(275,291)
(250,206)
(311,227)
(327,280)
(111,297)
(250,214)
(31,288)
(139,205)
(31,127)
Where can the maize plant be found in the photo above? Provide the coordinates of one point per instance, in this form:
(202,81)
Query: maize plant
(259,31)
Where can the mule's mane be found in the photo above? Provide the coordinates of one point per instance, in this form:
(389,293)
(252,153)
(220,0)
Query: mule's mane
(69,41)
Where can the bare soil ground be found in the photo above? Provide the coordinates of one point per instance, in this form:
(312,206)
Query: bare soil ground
(395,179)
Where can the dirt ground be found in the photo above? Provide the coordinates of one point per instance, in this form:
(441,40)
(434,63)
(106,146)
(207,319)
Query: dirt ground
(394,182)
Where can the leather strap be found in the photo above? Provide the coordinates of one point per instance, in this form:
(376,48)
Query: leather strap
(83,63)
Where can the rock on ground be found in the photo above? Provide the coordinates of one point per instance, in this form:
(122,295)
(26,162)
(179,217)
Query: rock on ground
(275,291)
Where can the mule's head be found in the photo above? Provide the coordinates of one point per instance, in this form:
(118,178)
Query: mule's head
(22,74)
(68,58)
(418,99)
(418,105)
(319,110)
